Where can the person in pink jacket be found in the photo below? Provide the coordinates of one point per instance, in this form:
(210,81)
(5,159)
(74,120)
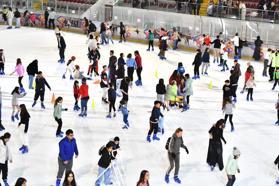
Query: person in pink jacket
(19,69)
(144,177)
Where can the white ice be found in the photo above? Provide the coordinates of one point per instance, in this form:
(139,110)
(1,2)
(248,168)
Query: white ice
(256,135)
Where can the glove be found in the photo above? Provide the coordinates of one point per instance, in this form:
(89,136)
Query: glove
(187,151)
(65,109)
(173,155)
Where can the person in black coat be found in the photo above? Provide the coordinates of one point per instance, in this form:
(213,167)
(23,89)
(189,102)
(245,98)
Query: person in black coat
(46,14)
(105,164)
(104,83)
(23,126)
(94,57)
(120,72)
(197,62)
(112,68)
(154,121)
(40,89)
(111,100)
(205,61)
(227,92)
(234,84)
(124,87)
(103,29)
(32,69)
(217,46)
(61,47)
(92,28)
(115,147)
(122,32)
(215,149)
(161,92)
(257,51)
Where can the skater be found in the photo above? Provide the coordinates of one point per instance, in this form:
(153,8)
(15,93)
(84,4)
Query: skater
(17,17)
(225,58)
(4,14)
(176,38)
(94,57)
(197,63)
(92,44)
(180,69)
(175,77)
(92,28)
(217,47)
(150,40)
(131,66)
(103,29)
(61,47)
(235,74)
(276,78)
(21,182)
(115,147)
(67,149)
(250,86)
(171,94)
(124,87)
(57,114)
(5,156)
(276,162)
(69,179)
(272,65)
(122,32)
(154,121)
(76,95)
(10,17)
(232,166)
(161,92)
(206,61)
(277,108)
(109,35)
(249,72)
(19,69)
(257,51)
(69,68)
(46,15)
(2,62)
(215,149)
(120,73)
(112,68)
(32,69)
(125,113)
(23,128)
(84,97)
(143,179)
(139,67)
(104,84)
(15,95)
(104,164)
(235,41)
(40,89)
(163,45)
(111,100)
(188,92)
(175,143)
(1,125)
(228,111)
(267,56)
(51,18)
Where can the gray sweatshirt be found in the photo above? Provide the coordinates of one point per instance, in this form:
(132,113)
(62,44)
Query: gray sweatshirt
(15,98)
(175,144)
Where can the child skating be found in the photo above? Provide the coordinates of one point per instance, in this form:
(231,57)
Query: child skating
(125,113)
(228,111)
(154,121)
(57,114)
(15,95)
(111,100)
(76,95)
(84,97)
(70,68)
(23,128)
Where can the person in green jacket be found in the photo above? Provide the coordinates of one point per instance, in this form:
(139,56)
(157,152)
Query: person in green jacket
(276,77)
(172,92)
(232,166)
(150,40)
(57,115)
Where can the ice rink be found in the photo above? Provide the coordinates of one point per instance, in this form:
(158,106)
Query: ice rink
(255,133)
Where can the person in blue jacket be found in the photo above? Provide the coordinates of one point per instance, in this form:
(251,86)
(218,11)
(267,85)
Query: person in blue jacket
(131,66)
(154,121)
(67,149)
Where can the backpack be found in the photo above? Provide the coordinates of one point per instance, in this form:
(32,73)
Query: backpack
(101,149)
(168,143)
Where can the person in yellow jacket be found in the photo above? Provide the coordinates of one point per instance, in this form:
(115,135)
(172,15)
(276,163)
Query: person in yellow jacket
(272,65)
(276,78)
(232,166)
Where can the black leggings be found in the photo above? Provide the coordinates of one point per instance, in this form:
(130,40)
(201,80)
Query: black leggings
(187,100)
(4,170)
(122,35)
(41,94)
(197,70)
(230,116)
(131,73)
(59,121)
(275,83)
(2,67)
(278,115)
(139,73)
(250,93)
(19,81)
(111,106)
(153,127)
(150,44)
(231,180)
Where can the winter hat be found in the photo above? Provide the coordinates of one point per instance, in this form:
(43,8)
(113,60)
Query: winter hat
(116,138)
(236,151)
(110,144)
(73,58)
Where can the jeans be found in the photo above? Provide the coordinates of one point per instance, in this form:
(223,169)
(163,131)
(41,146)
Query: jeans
(175,43)
(105,176)
(103,37)
(83,102)
(17,22)
(125,118)
(205,66)
(31,78)
(51,23)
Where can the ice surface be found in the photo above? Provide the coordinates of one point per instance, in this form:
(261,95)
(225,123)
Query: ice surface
(255,135)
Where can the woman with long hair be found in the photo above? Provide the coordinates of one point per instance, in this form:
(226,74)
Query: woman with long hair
(69,179)
(57,115)
(143,179)
(23,128)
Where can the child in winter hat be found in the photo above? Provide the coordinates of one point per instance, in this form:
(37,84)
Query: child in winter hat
(236,152)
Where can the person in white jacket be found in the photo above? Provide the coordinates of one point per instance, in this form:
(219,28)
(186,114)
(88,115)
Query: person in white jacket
(10,16)
(235,41)
(5,156)
(51,19)
(228,111)
(232,166)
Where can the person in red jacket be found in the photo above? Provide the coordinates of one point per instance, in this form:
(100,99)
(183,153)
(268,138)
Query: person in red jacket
(175,77)
(84,97)
(76,95)
(139,67)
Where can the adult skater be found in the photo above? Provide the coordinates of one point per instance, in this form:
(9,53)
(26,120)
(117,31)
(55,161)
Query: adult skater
(154,121)
(10,16)
(197,63)
(67,149)
(111,100)
(228,111)
(103,29)
(267,58)
(94,57)
(15,96)
(17,16)
(232,166)
(161,92)
(272,65)
(51,18)
(188,92)
(124,87)
(175,143)
(112,68)
(69,179)
(249,72)
(131,66)
(70,67)
(61,47)
(57,114)
(236,73)
(91,28)
(250,86)
(4,14)
(215,149)
(23,128)
(163,45)
(205,61)
(143,179)
(122,32)
(217,46)
(32,69)
(84,97)
(104,84)
(235,41)
(46,15)
(2,62)
(120,72)
(1,125)
(19,69)
(150,40)
(139,67)
(5,156)
(104,164)
(257,50)
(40,89)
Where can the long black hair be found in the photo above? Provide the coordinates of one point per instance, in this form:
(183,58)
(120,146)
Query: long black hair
(23,111)
(141,178)
(57,100)
(18,61)
(66,183)
(16,90)
(20,181)
(5,136)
